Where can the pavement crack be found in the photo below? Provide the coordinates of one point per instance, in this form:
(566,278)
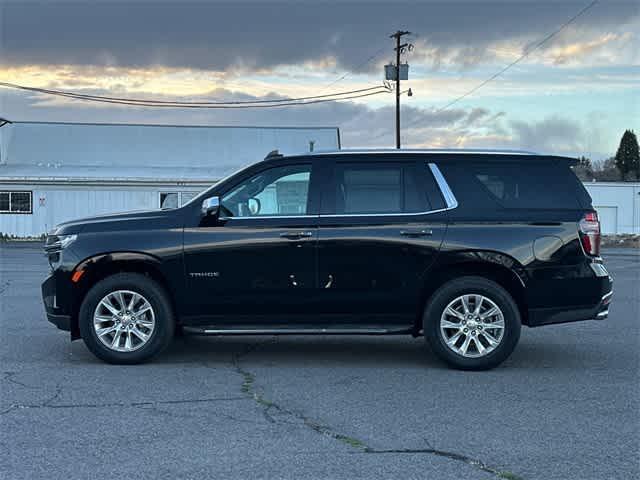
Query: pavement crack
(451,456)
(9,377)
(248,388)
(46,404)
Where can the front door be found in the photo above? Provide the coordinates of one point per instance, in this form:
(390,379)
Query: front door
(258,258)
(380,230)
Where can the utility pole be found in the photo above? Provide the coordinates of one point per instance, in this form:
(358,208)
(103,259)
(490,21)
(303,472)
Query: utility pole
(399,49)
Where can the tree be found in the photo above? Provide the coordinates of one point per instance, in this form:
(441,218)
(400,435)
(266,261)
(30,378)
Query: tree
(584,169)
(607,171)
(585,163)
(628,156)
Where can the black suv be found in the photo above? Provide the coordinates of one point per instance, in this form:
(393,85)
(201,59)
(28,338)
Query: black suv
(460,247)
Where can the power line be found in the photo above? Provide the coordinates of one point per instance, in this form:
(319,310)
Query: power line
(151,102)
(515,62)
(380,90)
(273,105)
(219,106)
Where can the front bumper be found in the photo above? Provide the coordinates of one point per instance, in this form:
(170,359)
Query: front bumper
(54,313)
(63,322)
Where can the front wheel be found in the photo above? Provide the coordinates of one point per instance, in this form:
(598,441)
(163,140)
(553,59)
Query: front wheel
(472,323)
(126,319)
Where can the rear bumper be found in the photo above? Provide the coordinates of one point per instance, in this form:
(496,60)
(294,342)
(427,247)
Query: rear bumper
(550,316)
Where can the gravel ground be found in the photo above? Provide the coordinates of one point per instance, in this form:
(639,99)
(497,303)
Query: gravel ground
(564,406)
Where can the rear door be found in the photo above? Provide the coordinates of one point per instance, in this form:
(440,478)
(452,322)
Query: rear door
(381,224)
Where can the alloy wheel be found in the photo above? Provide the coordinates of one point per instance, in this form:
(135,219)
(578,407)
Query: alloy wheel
(472,325)
(124,321)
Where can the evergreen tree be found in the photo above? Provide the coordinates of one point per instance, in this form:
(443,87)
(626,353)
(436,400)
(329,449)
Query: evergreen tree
(628,155)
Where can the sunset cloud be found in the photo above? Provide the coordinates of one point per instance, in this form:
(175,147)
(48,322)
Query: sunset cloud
(575,94)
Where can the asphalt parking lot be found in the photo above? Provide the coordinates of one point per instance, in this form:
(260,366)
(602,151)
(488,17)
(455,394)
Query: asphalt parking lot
(566,405)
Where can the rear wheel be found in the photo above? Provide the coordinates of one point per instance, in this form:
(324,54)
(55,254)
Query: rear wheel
(472,323)
(126,318)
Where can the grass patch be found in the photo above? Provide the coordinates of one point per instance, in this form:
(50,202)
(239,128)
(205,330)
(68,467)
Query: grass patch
(247,383)
(352,442)
(509,476)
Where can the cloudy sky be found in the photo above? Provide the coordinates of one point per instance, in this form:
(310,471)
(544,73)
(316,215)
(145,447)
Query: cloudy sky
(575,95)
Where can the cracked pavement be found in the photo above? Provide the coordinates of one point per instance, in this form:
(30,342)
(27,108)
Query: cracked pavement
(564,406)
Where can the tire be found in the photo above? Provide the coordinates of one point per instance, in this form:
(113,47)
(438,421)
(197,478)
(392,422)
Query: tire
(142,335)
(482,352)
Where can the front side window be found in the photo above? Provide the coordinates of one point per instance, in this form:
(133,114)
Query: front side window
(378,189)
(279,191)
(16,202)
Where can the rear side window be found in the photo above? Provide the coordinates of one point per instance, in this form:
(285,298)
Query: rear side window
(376,188)
(528,184)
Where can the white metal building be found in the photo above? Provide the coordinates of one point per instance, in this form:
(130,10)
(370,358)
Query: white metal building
(618,205)
(53,172)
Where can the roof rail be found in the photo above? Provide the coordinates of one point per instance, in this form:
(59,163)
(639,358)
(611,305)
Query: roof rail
(422,150)
(273,154)
(4,121)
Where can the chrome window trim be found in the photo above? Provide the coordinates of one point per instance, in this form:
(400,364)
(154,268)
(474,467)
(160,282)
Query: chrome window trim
(405,214)
(443,186)
(449,198)
(267,217)
(333,215)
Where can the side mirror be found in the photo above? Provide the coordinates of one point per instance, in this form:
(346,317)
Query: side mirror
(210,206)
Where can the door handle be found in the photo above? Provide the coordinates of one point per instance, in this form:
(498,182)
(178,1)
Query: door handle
(296,235)
(416,233)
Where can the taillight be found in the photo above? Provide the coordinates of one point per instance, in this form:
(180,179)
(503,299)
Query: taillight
(590,233)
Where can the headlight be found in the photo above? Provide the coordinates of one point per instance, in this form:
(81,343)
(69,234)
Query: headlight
(58,242)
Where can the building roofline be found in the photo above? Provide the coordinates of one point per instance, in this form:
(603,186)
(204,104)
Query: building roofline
(122,181)
(620,183)
(113,124)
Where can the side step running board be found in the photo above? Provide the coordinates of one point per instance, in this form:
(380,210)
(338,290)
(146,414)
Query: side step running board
(296,331)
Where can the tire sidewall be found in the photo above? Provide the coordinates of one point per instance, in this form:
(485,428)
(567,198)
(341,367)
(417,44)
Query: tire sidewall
(164,323)
(472,285)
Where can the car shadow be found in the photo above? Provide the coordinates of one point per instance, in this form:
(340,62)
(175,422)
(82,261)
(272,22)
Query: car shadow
(358,352)
(303,351)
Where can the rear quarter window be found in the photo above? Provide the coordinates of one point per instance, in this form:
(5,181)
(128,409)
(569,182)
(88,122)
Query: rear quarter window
(530,184)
